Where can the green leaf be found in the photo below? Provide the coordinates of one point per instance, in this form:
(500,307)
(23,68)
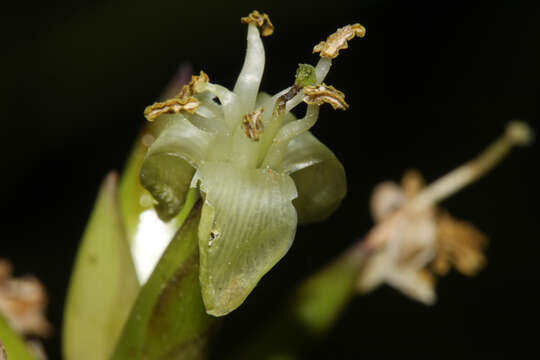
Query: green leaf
(169,320)
(131,194)
(103,284)
(13,344)
(318,175)
(247,225)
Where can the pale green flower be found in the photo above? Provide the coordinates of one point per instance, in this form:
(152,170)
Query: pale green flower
(259,170)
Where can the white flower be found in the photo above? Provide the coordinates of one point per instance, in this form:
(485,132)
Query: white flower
(257,167)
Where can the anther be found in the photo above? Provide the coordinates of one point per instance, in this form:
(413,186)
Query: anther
(322,93)
(252,124)
(338,40)
(171,106)
(262,21)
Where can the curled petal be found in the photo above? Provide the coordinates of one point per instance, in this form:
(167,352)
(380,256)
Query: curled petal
(170,163)
(247,225)
(318,175)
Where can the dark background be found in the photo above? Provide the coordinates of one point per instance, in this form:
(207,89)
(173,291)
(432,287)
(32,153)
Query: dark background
(430,86)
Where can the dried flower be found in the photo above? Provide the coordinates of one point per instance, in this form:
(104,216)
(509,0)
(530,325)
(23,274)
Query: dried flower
(414,240)
(257,167)
(23,302)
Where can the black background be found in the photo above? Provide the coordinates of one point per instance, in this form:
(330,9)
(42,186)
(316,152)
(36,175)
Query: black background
(430,86)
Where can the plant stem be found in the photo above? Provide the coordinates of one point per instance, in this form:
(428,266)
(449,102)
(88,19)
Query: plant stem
(310,313)
(169,320)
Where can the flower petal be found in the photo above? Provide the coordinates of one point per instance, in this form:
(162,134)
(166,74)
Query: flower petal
(318,175)
(247,225)
(169,165)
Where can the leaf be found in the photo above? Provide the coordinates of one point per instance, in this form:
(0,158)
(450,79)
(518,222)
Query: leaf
(169,320)
(247,225)
(103,284)
(131,194)
(318,175)
(13,344)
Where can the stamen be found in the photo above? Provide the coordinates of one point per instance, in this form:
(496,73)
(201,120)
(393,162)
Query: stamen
(322,69)
(252,124)
(281,103)
(247,84)
(194,86)
(338,40)
(320,94)
(294,128)
(183,101)
(171,106)
(228,100)
(276,151)
(262,21)
(272,120)
(517,133)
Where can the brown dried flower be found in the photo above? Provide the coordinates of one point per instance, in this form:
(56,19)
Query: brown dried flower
(414,240)
(413,245)
(23,302)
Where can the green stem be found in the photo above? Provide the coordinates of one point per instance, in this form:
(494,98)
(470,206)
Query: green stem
(13,344)
(310,312)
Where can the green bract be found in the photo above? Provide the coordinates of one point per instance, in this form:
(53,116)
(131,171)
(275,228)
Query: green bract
(259,170)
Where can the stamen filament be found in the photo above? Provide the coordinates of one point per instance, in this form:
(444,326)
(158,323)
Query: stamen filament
(294,128)
(517,133)
(247,84)
(229,103)
(277,150)
(322,69)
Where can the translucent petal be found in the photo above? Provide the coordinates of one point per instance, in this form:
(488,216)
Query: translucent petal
(247,225)
(170,163)
(318,175)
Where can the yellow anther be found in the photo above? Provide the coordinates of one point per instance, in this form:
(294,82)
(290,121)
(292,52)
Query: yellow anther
(338,40)
(261,20)
(171,106)
(322,93)
(252,124)
(193,87)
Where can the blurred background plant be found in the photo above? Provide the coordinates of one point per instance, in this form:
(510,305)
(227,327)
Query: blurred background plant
(429,87)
